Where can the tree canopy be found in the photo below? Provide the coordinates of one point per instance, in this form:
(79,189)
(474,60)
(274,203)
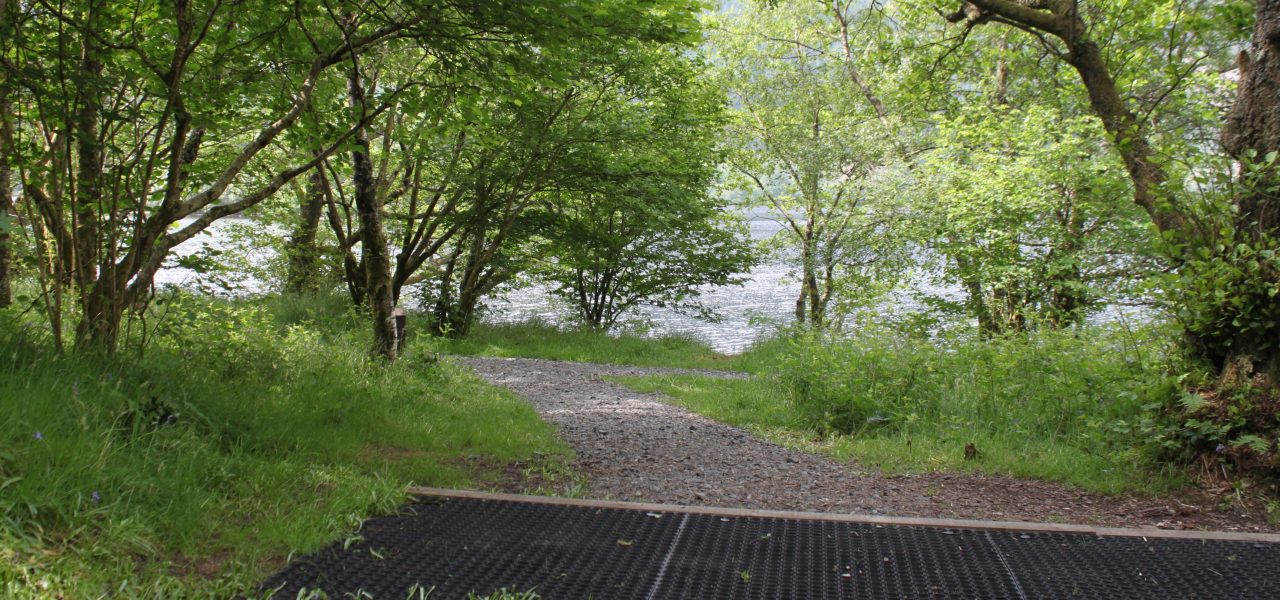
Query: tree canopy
(446,151)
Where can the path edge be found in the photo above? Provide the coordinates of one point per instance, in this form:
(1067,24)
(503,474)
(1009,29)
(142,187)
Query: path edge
(1012,526)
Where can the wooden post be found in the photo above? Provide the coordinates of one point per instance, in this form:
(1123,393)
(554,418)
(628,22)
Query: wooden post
(398,313)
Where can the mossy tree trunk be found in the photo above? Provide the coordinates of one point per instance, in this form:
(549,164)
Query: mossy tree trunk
(302,250)
(373,239)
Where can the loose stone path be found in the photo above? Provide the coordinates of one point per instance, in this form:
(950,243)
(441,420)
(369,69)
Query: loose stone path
(633,446)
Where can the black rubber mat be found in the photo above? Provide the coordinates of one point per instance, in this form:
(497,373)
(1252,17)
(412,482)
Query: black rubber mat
(449,547)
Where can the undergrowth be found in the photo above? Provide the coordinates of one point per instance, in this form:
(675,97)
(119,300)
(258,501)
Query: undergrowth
(1079,407)
(246,433)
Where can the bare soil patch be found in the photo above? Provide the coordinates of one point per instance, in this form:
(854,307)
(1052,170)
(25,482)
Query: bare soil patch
(633,446)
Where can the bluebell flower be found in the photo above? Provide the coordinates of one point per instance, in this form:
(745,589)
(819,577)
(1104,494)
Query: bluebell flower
(38,436)
(95,497)
(1220,449)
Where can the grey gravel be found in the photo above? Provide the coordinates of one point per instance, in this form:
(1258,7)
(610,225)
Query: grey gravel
(634,446)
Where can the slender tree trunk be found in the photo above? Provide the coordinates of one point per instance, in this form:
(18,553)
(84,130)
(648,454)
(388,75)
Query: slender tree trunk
(469,291)
(443,312)
(301,248)
(6,201)
(373,240)
(1068,291)
(352,269)
(100,311)
(802,301)
(978,308)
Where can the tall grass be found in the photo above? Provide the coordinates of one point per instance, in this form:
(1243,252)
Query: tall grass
(244,435)
(1077,407)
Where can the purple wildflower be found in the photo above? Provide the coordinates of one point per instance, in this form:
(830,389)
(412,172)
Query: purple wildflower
(95,497)
(38,436)
(1220,449)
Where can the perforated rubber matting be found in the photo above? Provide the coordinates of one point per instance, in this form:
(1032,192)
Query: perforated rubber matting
(446,548)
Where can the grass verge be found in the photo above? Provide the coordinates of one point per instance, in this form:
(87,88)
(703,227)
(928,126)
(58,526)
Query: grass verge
(247,434)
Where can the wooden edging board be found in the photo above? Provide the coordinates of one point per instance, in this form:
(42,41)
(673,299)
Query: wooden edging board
(1140,532)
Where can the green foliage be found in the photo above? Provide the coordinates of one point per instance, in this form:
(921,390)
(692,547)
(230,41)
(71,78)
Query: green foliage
(246,436)
(633,224)
(1224,295)
(192,100)
(874,382)
(1030,211)
(533,339)
(596,183)
(1225,291)
(804,144)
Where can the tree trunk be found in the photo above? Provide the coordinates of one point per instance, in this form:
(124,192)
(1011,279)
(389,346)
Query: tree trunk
(373,240)
(816,312)
(1254,125)
(6,203)
(352,270)
(1068,293)
(802,301)
(99,325)
(469,287)
(302,249)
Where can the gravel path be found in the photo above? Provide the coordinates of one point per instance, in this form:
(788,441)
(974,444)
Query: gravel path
(633,446)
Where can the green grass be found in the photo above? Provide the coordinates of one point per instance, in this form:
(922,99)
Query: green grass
(1053,406)
(534,339)
(246,435)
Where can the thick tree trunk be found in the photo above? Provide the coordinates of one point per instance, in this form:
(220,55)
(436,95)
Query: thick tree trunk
(302,249)
(373,240)
(816,313)
(1254,125)
(1254,121)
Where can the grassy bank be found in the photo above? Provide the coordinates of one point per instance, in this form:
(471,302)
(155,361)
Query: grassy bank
(1077,408)
(246,434)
